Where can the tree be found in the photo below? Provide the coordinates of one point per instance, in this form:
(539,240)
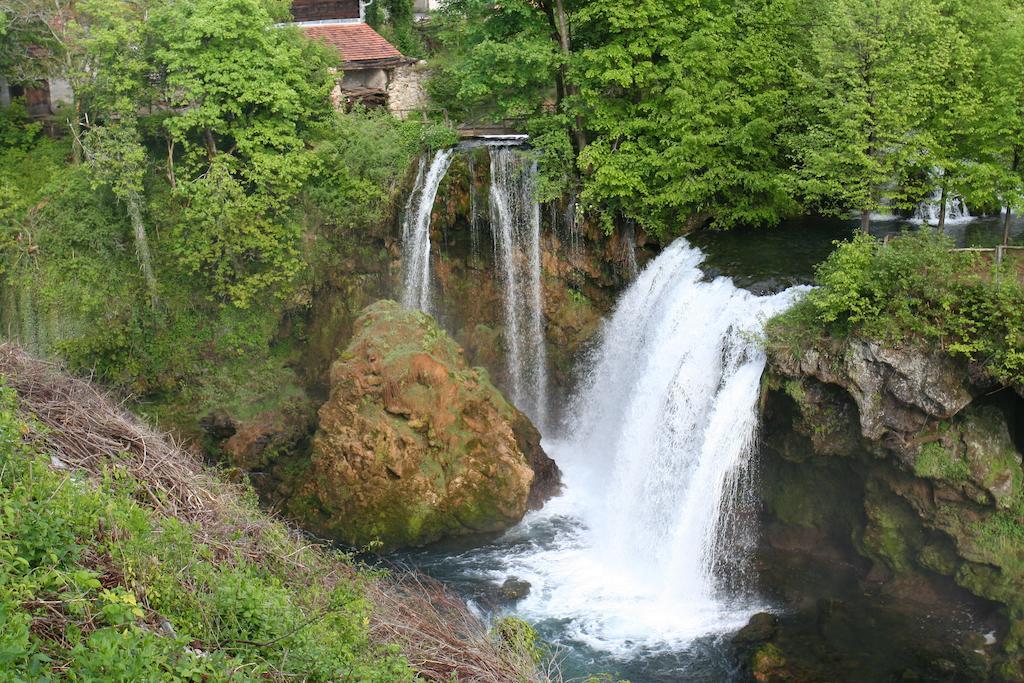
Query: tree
(951,122)
(689,105)
(111,82)
(246,97)
(873,79)
(997,133)
(30,38)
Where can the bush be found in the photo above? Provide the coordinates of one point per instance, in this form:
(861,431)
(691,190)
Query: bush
(915,290)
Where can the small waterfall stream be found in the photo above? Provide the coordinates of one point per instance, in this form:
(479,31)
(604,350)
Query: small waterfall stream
(930,211)
(515,223)
(416,231)
(515,226)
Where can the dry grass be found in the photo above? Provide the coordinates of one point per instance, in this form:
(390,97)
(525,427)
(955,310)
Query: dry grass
(430,623)
(85,429)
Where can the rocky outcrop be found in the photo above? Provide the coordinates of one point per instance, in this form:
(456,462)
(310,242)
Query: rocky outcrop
(413,445)
(911,460)
(897,391)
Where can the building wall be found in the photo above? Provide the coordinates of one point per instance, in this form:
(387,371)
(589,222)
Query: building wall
(375,79)
(427,5)
(60,93)
(407,91)
(323,10)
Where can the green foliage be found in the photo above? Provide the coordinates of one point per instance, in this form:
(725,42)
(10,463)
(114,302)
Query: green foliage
(143,264)
(915,290)
(519,639)
(742,112)
(95,587)
(876,74)
(395,20)
(362,159)
(247,98)
(16,131)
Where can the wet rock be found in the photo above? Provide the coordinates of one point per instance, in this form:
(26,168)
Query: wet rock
(260,441)
(219,425)
(927,453)
(762,627)
(515,589)
(895,390)
(413,445)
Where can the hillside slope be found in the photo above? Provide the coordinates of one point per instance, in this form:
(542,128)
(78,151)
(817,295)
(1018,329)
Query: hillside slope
(123,558)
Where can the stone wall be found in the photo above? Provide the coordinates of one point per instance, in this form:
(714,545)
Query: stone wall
(407,90)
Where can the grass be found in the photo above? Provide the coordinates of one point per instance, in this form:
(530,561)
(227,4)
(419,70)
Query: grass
(122,558)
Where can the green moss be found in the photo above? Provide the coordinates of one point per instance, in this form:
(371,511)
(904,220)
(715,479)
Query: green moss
(1001,536)
(935,461)
(766,660)
(795,390)
(893,533)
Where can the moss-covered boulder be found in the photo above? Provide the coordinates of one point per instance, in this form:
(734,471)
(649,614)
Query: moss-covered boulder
(413,445)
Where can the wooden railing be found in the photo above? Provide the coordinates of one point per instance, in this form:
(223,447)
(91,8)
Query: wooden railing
(999,251)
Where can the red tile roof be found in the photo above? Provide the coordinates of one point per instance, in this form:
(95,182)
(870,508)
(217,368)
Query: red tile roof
(358,44)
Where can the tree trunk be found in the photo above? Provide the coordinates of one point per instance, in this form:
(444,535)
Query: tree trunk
(211,144)
(134,203)
(171,178)
(1007,220)
(942,207)
(560,23)
(865,221)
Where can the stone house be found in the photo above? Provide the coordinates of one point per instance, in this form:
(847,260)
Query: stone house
(374,72)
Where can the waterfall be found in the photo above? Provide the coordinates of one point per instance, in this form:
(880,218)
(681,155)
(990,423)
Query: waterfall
(515,225)
(642,549)
(416,231)
(474,210)
(668,419)
(928,212)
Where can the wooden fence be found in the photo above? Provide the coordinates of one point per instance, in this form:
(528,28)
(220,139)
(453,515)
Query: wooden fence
(1000,252)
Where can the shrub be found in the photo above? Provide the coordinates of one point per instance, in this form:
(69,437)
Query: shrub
(915,290)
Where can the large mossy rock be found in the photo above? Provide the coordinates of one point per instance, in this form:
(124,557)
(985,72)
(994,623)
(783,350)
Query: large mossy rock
(413,445)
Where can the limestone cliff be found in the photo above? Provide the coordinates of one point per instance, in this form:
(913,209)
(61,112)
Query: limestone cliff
(911,459)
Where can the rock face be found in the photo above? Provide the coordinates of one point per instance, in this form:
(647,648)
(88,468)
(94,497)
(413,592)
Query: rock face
(413,445)
(910,460)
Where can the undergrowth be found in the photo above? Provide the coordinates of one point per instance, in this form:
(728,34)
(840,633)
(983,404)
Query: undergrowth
(913,290)
(123,558)
(95,587)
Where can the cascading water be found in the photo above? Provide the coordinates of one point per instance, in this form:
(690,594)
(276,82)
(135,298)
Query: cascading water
(929,212)
(633,557)
(515,225)
(474,211)
(416,232)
